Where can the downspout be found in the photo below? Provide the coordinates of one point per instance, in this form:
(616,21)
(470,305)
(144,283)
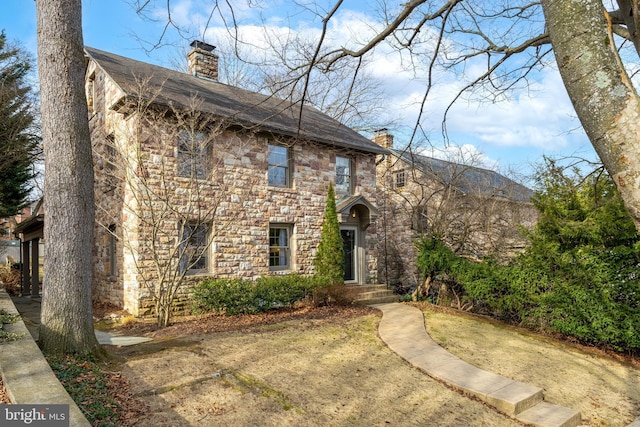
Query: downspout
(384,220)
(386,252)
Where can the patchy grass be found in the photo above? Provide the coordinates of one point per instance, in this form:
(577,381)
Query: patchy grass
(328,367)
(103,396)
(4,319)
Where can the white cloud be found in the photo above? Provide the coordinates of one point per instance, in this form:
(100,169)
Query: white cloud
(537,118)
(466,154)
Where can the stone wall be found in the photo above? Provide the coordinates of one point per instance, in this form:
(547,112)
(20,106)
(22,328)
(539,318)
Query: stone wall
(108,189)
(146,201)
(472,225)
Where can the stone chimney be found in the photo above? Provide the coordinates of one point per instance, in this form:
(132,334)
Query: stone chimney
(383,138)
(203,62)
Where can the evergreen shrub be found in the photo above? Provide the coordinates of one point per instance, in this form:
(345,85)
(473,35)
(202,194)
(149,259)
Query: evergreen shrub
(579,276)
(246,296)
(329,261)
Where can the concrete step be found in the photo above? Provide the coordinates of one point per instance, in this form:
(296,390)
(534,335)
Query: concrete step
(377,300)
(402,329)
(373,294)
(548,415)
(369,288)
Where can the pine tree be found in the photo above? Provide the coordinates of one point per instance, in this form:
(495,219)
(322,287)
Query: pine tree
(18,143)
(329,260)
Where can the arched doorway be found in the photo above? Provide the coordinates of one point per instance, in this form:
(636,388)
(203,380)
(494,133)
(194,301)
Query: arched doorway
(355,214)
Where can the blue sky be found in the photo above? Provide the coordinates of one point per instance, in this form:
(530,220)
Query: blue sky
(510,135)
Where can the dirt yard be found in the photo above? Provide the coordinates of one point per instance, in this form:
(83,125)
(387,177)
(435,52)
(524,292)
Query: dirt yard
(328,367)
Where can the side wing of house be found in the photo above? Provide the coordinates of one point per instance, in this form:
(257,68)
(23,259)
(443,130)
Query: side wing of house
(477,212)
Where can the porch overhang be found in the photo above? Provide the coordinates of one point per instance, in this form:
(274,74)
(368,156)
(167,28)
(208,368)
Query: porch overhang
(356,207)
(31,228)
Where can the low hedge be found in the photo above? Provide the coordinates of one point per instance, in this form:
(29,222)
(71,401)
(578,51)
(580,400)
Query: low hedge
(245,296)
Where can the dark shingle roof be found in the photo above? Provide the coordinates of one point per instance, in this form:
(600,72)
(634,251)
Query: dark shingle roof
(239,106)
(468,179)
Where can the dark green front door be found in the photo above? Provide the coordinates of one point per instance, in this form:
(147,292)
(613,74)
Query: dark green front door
(349,244)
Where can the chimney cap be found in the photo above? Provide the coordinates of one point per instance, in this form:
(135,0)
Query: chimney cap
(197,44)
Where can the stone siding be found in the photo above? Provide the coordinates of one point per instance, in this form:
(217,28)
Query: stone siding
(134,154)
(472,225)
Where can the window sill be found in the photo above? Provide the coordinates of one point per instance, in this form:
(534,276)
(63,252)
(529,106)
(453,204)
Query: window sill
(286,270)
(197,273)
(290,190)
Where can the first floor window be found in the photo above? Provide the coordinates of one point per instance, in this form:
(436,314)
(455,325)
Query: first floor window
(420,220)
(194,244)
(279,247)
(112,251)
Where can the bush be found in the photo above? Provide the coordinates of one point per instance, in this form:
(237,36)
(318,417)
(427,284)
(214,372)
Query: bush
(329,261)
(10,278)
(434,257)
(244,296)
(328,294)
(590,294)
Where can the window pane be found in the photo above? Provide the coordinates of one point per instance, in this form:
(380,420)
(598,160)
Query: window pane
(343,175)
(277,176)
(278,247)
(277,155)
(278,166)
(193,155)
(193,247)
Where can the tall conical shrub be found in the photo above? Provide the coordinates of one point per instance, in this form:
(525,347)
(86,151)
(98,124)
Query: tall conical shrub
(329,260)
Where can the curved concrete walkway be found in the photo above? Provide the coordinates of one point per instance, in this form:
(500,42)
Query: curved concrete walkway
(402,329)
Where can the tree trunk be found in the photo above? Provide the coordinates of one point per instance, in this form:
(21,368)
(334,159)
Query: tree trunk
(600,89)
(66,318)
(421,293)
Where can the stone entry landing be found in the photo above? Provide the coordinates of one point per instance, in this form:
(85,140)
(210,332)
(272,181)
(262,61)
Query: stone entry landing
(402,329)
(373,294)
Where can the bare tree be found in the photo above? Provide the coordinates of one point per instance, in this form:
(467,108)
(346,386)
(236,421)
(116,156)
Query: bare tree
(67,323)
(276,63)
(174,185)
(475,211)
(593,42)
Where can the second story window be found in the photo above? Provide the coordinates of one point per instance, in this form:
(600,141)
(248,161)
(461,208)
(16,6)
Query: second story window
(400,179)
(193,155)
(279,166)
(344,175)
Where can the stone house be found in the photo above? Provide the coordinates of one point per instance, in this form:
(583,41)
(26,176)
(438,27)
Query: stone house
(478,212)
(195,179)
